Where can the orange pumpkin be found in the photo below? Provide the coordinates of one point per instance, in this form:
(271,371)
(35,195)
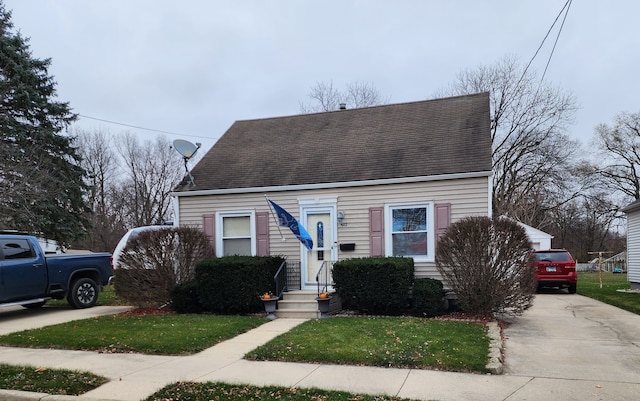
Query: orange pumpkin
(266,296)
(323,295)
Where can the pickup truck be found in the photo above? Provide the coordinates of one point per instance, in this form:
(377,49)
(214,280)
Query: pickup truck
(29,278)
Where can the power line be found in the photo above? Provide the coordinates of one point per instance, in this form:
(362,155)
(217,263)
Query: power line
(566,6)
(143,128)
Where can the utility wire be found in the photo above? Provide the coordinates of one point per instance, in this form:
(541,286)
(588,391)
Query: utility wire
(142,128)
(567,5)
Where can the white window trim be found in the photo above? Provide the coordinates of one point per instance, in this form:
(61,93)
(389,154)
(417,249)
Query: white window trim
(220,215)
(431,238)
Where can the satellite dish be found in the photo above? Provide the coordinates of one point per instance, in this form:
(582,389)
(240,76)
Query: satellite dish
(187,150)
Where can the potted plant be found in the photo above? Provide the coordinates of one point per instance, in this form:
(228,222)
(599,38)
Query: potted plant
(324,301)
(270,303)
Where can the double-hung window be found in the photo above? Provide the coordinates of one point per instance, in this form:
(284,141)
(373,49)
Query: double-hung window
(411,231)
(236,233)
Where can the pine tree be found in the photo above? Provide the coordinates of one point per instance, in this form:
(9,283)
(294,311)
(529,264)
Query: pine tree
(41,181)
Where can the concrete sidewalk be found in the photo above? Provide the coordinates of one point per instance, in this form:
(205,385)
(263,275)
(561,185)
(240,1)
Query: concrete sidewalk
(134,377)
(553,324)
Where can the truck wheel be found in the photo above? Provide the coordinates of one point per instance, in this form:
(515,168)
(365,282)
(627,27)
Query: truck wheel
(573,288)
(83,293)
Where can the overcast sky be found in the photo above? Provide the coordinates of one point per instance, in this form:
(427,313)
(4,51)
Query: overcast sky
(193,67)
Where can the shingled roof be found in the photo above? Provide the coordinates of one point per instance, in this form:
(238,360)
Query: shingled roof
(417,139)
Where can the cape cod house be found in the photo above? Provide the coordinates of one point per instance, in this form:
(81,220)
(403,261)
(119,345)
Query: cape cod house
(384,180)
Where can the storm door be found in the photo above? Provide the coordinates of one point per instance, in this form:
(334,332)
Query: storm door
(320,223)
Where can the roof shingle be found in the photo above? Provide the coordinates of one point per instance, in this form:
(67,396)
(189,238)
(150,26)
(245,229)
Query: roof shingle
(433,137)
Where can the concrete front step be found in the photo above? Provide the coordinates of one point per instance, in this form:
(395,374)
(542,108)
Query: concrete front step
(299,295)
(298,305)
(297,313)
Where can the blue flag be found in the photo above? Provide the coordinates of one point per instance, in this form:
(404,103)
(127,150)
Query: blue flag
(296,228)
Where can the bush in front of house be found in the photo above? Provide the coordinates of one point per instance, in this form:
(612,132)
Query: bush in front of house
(184,298)
(154,261)
(375,285)
(489,265)
(233,284)
(428,297)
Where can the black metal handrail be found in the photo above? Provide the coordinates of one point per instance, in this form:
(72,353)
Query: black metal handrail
(280,279)
(326,268)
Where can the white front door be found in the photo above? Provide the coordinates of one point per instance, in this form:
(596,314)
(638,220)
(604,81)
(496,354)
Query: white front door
(321,224)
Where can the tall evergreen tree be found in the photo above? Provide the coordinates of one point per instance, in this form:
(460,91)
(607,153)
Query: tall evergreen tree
(41,181)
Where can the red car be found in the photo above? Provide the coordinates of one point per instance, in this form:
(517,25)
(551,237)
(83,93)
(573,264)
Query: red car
(556,268)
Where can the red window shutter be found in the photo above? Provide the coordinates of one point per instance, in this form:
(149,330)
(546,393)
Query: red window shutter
(442,219)
(262,233)
(209,227)
(376,231)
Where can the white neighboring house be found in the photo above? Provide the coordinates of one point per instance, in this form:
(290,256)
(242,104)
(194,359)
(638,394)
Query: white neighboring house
(539,239)
(633,244)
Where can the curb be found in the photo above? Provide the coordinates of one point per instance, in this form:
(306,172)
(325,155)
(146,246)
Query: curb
(495,364)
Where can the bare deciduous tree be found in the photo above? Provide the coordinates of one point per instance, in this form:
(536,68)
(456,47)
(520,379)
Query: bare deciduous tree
(152,170)
(325,97)
(102,166)
(587,224)
(532,154)
(619,146)
(129,184)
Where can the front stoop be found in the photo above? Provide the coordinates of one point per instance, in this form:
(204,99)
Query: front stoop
(298,305)
(302,305)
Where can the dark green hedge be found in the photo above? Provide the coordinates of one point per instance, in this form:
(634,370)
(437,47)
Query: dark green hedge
(428,294)
(233,284)
(375,285)
(184,298)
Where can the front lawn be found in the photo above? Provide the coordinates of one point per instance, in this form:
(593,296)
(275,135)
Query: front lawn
(589,286)
(162,334)
(382,341)
(50,381)
(231,392)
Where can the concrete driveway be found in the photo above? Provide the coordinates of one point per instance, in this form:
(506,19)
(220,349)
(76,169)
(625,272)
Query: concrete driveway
(574,348)
(17,318)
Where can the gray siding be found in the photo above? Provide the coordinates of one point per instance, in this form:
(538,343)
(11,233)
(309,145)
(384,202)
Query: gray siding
(633,248)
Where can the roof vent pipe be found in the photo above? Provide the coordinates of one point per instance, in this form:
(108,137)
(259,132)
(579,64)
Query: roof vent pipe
(343,106)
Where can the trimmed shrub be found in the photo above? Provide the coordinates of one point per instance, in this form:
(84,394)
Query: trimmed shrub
(233,284)
(375,285)
(428,294)
(154,261)
(143,287)
(184,298)
(489,265)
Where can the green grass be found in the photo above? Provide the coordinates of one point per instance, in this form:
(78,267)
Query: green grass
(50,381)
(148,334)
(382,341)
(187,391)
(376,341)
(589,286)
